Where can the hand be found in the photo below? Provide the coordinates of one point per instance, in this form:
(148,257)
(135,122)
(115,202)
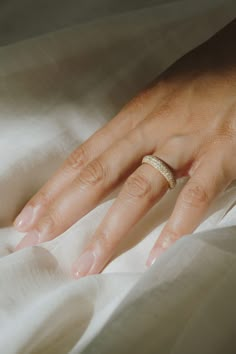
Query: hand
(187,117)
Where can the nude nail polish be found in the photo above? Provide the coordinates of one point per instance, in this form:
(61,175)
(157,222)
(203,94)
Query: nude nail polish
(83,265)
(24,219)
(153,257)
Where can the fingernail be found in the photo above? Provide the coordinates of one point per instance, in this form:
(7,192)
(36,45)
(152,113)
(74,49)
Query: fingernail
(24,219)
(83,264)
(154,255)
(30,239)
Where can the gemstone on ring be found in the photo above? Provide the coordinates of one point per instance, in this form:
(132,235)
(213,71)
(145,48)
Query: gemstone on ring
(162,167)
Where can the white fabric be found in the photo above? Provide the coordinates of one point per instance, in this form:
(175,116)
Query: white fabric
(56,89)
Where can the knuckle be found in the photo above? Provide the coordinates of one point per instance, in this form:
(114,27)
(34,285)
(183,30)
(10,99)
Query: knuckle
(195,195)
(137,186)
(138,101)
(164,111)
(78,158)
(94,173)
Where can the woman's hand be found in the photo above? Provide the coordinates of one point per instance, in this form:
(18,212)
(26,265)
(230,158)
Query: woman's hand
(187,117)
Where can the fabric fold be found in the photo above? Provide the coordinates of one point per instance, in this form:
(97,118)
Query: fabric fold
(57,87)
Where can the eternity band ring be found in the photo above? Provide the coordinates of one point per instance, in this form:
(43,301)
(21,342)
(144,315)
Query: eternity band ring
(162,167)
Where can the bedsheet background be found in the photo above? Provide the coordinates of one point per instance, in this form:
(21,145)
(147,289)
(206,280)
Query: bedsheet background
(66,67)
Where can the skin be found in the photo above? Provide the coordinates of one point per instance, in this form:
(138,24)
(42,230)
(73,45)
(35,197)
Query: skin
(186,117)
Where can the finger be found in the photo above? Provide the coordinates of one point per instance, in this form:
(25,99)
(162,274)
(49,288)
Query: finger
(140,192)
(95,181)
(206,182)
(126,120)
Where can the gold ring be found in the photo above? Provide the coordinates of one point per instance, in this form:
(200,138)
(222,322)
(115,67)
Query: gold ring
(162,167)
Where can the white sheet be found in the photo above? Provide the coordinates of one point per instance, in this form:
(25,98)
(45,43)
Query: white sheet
(56,89)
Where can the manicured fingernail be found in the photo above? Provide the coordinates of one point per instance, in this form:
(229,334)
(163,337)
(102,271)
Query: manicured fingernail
(83,264)
(154,255)
(24,219)
(30,239)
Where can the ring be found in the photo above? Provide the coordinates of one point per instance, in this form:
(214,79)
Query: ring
(162,167)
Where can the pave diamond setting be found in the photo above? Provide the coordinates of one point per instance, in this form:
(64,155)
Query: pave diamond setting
(162,167)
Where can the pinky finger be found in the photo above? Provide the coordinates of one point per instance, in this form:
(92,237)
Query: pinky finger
(207,181)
